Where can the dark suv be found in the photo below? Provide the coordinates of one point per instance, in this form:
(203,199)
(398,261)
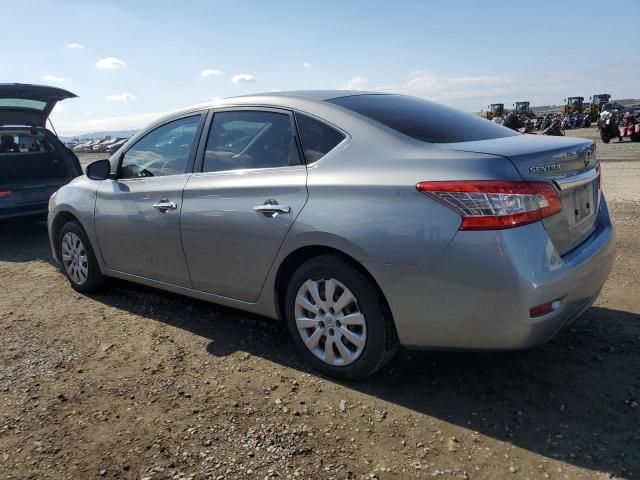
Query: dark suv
(34,163)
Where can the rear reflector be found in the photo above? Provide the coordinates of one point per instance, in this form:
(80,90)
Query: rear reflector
(493,204)
(541,310)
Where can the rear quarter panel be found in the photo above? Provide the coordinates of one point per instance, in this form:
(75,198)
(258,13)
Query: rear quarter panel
(363,200)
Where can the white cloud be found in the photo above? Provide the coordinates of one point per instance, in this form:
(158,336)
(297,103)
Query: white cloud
(52,78)
(121,97)
(475,92)
(306,65)
(356,83)
(110,63)
(243,78)
(210,72)
(130,122)
(74,45)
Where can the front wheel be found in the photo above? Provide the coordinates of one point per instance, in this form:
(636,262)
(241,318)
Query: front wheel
(605,138)
(338,319)
(78,260)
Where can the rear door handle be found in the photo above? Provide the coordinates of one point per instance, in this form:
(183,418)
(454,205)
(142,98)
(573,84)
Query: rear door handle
(164,205)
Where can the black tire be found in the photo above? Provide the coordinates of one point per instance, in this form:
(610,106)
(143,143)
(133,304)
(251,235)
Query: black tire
(605,138)
(94,278)
(381,342)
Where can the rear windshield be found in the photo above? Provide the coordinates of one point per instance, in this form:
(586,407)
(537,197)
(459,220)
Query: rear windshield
(423,120)
(22,103)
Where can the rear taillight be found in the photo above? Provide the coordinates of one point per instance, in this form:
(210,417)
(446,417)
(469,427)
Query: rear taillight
(493,204)
(5,194)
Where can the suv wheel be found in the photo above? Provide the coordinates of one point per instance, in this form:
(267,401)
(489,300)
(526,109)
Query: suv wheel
(78,260)
(338,318)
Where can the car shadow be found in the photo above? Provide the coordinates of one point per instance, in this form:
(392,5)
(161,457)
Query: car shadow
(24,240)
(573,399)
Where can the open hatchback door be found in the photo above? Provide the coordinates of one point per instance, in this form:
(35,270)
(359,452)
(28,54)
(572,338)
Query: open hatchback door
(23,104)
(34,163)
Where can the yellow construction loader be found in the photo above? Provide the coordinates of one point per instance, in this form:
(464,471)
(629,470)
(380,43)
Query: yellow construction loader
(495,110)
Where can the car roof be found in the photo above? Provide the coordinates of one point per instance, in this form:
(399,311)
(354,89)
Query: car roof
(289,99)
(320,95)
(278,98)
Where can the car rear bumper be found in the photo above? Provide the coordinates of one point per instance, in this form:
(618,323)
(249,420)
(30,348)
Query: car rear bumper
(38,209)
(479,294)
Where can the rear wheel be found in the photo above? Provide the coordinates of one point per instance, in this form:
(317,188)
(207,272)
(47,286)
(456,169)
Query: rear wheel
(78,260)
(338,318)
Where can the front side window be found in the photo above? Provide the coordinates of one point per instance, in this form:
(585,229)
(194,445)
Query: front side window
(423,120)
(250,139)
(163,151)
(317,138)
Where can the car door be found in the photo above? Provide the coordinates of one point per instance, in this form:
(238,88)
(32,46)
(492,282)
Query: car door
(239,204)
(137,215)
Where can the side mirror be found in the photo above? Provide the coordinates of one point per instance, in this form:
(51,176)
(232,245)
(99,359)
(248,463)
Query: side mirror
(98,170)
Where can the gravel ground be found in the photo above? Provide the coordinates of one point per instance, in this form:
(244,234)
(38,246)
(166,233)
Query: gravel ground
(135,383)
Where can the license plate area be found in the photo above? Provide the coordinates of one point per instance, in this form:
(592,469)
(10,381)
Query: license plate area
(582,204)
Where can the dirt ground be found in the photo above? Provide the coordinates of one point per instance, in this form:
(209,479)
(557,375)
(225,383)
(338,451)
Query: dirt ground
(135,383)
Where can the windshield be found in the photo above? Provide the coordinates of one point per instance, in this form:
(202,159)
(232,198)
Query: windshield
(423,120)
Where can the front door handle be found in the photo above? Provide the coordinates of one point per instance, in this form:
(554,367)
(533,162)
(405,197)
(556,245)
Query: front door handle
(164,205)
(271,206)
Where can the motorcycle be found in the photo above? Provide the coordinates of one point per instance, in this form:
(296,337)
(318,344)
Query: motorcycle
(556,129)
(538,123)
(608,126)
(513,122)
(528,127)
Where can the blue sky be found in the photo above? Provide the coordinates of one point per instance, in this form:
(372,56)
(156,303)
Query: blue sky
(134,60)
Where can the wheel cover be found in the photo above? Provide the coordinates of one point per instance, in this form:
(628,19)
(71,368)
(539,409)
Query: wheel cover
(330,322)
(74,258)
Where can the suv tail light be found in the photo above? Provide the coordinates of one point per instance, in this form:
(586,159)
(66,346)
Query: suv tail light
(493,204)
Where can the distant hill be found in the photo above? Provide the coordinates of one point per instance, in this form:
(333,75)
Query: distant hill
(97,135)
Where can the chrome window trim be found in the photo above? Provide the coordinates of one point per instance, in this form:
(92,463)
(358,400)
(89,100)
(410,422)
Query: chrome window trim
(239,171)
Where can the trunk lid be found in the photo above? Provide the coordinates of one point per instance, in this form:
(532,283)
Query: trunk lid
(567,163)
(24,104)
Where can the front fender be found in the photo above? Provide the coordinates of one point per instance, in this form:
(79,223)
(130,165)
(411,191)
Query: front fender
(77,199)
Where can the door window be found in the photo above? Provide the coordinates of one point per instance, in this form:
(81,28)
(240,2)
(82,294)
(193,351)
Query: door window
(163,151)
(250,139)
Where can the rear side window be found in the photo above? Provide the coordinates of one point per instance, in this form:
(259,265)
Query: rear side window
(423,120)
(317,138)
(250,139)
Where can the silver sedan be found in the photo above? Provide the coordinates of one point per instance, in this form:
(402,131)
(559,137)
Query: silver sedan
(365,221)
